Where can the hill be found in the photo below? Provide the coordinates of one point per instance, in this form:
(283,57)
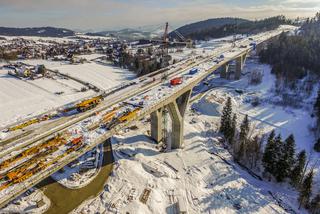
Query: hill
(208,24)
(36,31)
(220,27)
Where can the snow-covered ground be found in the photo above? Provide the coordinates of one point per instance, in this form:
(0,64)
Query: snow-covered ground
(33,201)
(192,175)
(82,171)
(102,76)
(20,99)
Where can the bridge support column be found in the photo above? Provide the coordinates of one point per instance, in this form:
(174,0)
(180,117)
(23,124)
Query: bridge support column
(224,71)
(260,47)
(156,125)
(177,111)
(239,66)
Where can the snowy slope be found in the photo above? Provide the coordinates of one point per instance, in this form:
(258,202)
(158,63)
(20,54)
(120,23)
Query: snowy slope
(202,180)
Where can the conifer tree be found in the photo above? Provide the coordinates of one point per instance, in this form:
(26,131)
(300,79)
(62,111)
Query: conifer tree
(315,205)
(243,137)
(317,106)
(306,190)
(225,124)
(244,129)
(253,150)
(296,174)
(317,111)
(289,154)
(233,129)
(278,160)
(269,154)
(285,160)
(316,146)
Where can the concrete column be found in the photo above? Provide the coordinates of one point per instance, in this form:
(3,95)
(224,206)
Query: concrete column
(177,111)
(259,48)
(224,71)
(239,66)
(156,125)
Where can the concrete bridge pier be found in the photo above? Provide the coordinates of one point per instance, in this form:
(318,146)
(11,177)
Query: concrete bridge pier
(177,111)
(157,125)
(260,47)
(240,61)
(224,71)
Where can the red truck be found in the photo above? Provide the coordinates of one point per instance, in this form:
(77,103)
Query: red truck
(176,81)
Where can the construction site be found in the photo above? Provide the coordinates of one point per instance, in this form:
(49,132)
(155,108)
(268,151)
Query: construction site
(66,138)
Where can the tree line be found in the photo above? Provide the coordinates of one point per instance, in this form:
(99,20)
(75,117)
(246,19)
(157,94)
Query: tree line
(278,157)
(239,27)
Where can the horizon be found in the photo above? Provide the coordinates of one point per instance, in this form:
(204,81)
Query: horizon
(142,28)
(98,15)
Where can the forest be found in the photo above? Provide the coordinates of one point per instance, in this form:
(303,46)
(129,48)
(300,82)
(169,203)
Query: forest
(294,56)
(238,27)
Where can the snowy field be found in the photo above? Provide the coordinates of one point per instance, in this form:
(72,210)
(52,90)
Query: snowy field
(20,99)
(102,76)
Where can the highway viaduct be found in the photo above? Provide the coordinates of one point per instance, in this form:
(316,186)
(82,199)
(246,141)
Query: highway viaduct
(176,103)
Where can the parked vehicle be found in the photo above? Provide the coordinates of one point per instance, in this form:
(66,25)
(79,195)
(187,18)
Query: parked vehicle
(176,81)
(193,71)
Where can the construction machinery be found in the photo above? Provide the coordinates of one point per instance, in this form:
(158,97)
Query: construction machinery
(30,122)
(23,125)
(39,161)
(106,118)
(125,116)
(89,103)
(129,115)
(84,105)
(49,145)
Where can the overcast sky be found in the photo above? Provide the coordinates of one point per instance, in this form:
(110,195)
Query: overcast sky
(116,14)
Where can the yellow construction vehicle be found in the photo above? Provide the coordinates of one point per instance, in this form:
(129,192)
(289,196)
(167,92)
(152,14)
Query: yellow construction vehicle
(108,116)
(126,116)
(5,185)
(23,125)
(49,146)
(89,103)
(129,115)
